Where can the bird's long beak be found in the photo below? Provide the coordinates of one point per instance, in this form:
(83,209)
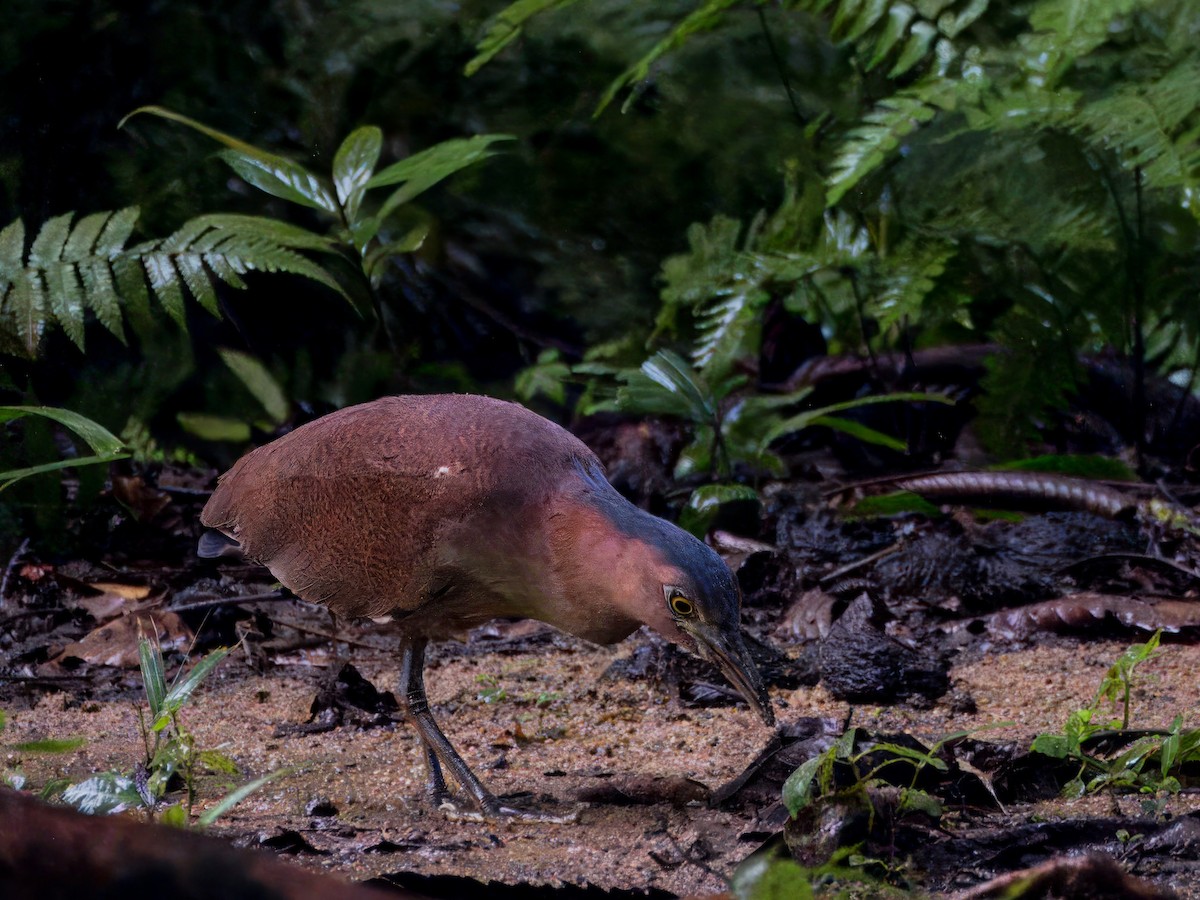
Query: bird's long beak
(727,651)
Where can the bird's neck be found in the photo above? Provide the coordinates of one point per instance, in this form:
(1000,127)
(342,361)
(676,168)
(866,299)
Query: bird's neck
(606,581)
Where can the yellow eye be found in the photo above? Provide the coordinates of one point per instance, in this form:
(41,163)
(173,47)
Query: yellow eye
(682,606)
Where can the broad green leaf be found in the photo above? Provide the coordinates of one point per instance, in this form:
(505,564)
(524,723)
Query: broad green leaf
(894,504)
(237,796)
(1053,745)
(284,179)
(767,877)
(217,762)
(274,174)
(214,428)
(666,384)
(423,170)
(803,420)
(174,816)
(353,164)
(258,381)
(706,501)
(800,787)
(97,436)
(105,793)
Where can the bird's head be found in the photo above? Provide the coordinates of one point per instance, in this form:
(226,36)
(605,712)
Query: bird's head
(701,610)
(655,573)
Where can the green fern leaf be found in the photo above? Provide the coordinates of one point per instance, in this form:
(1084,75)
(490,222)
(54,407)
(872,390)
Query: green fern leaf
(899,17)
(166,286)
(116,232)
(916,48)
(910,275)
(51,239)
(869,145)
(12,251)
(131,287)
(1152,126)
(706,18)
(1065,30)
(505,27)
(84,235)
(728,329)
(227,269)
(26,302)
(64,296)
(102,295)
(196,277)
(854,18)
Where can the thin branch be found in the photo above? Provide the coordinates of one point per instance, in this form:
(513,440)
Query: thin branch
(781,69)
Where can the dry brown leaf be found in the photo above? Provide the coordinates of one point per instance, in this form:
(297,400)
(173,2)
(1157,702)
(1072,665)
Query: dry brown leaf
(127,591)
(116,643)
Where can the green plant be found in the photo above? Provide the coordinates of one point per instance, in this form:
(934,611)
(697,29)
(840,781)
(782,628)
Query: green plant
(71,269)
(490,690)
(373,231)
(171,759)
(1025,175)
(107,446)
(816,779)
(1147,762)
(14,777)
(728,429)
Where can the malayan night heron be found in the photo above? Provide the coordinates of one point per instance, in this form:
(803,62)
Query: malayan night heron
(447,511)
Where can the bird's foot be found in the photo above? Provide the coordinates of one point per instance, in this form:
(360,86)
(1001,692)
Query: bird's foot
(492,810)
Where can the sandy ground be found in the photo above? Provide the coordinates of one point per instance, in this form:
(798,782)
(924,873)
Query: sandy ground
(594,733)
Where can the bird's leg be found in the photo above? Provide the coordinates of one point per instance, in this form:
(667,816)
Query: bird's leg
(436,789)
(439,751)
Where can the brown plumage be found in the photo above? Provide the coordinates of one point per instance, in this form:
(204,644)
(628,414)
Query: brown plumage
(447,511)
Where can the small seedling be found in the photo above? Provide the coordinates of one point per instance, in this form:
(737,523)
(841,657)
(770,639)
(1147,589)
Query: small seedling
(490,690)
(1149,763)
(171,760)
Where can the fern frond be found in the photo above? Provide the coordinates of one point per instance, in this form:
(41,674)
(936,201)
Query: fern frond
(1065,30)
(70,269)
(505,27)
(1154,127)
(904,32)
(728,328)
(909,275)
(707,17)
(870,144)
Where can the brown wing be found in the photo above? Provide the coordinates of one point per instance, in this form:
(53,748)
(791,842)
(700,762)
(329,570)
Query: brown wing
(350,510)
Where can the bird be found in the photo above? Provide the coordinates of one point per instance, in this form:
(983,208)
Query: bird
(445,511)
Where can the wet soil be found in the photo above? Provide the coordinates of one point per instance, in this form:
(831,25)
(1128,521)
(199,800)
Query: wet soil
(616,751)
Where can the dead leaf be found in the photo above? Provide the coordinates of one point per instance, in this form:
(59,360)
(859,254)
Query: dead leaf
(127,591)
(144,501)
(116,643)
